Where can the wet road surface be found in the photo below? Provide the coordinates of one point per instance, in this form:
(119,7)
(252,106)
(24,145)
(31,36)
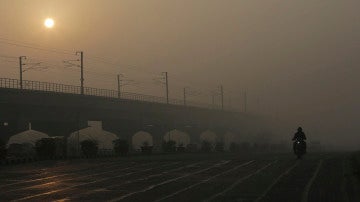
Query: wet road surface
(183,177)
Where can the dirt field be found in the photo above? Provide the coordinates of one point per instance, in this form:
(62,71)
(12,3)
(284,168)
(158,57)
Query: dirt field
(184,177)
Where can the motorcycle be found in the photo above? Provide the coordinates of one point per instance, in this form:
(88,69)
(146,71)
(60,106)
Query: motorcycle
(299,148)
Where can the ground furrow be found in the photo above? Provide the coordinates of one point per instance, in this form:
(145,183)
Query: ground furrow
(84,184)
(239,181)
(152,186)
(71,178)
(305,195)
(276,181)
(88,194)
(204,181)
(27,181)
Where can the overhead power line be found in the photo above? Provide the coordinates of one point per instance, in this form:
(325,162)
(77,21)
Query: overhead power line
(93,68)
(104,60)
(34,46)
(9,57)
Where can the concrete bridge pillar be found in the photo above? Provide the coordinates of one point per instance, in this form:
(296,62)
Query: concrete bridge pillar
(9,128)
(58,128)
(157,131)
(220,133)
(194,132)
(124,129)
(21,125)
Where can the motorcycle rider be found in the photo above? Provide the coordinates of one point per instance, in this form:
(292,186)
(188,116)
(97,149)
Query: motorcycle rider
(299,135)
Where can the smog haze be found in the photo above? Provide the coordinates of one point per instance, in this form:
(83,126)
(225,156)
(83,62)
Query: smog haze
(297,61)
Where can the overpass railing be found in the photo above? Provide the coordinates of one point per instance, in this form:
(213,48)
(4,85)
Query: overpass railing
(71,89)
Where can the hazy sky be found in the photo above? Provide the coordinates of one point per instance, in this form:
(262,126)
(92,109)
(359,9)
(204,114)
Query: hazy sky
(298,60)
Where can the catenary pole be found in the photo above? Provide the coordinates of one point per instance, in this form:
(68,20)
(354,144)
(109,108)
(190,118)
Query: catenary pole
(167,86)
(81,71)
(21,70)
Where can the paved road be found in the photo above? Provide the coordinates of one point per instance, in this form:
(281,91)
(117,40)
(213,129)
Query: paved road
(318,177)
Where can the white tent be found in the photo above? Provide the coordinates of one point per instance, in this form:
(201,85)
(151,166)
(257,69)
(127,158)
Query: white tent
(30,137)
(93,132)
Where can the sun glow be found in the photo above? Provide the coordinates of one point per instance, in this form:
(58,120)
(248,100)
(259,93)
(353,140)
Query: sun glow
(49,23)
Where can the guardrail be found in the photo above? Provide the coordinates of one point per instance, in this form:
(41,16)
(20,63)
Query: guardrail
(71,89)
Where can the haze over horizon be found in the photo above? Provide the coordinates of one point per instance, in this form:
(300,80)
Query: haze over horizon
(297,60)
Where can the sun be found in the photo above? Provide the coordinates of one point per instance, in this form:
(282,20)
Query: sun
(49,23)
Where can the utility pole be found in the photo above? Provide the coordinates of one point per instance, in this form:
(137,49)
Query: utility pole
(185,96)
(21,70)
(222,97)
(119,86)
(82,70)
(167,87)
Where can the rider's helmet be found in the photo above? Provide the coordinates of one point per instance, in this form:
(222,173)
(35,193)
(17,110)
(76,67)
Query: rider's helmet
(299,129)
